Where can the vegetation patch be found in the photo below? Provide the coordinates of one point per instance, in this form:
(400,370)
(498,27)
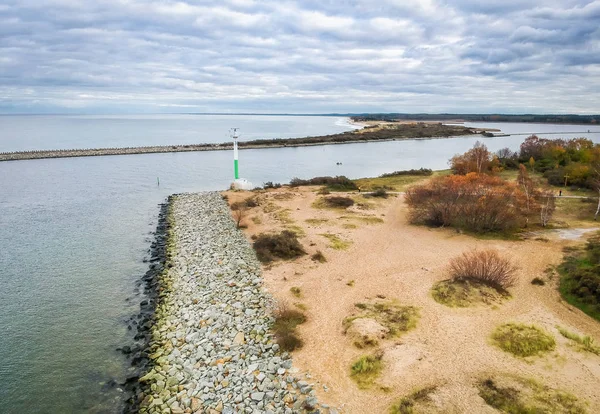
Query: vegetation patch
(364,219)
(414,402)
(521,396)
(285,245)
(523,340)
(420,172)
(580,278)
(270,184)
(366,370)
(284,216)
(335,242)
(316,222)
(379,193)
(319,257)
(465,293)
(349,226)
(583,343)
(335,202)
(339,183)
(284,328)
(297,230)
(249,202)
(393,317)
(296,291)
(538,281)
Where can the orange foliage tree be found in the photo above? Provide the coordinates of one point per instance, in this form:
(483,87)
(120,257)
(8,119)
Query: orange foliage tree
(478,159)
(475,202)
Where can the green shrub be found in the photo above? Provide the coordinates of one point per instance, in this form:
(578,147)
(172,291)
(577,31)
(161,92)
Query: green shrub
(270,184)
(379,193)
(339,183)
(338,202)
(580,278)
(420,171)
(285,245)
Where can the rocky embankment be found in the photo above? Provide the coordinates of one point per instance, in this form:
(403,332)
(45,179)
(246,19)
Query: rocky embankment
(210,349)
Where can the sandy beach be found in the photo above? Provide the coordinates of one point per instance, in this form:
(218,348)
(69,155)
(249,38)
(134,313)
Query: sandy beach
(386,257)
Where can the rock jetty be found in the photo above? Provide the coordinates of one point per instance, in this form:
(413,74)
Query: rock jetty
(210,349)
(400,131)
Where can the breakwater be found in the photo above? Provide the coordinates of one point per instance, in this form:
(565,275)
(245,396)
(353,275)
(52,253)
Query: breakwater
(401,131)
(210,348)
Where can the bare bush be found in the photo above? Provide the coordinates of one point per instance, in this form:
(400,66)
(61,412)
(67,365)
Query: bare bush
(239,213)
(284,245)
(485,266)
(338,202)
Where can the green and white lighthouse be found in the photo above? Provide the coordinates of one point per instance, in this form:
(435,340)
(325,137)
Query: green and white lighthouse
(236,170)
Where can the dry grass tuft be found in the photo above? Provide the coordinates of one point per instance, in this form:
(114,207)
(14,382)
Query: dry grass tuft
(584,343)
(284,328)
(366,370)
(408,404)
(465,293)
(316,222)
(390,314)
(319,257)
(523,340)
(522,396)
(335,242)
(336,202)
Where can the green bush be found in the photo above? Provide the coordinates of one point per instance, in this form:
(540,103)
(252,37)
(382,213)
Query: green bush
(580,278)
(338,202)
(420,171)
(339,183)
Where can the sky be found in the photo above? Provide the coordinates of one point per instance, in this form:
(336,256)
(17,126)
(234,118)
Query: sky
(312,56)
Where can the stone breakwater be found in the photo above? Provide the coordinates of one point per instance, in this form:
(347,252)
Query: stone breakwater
(210,349)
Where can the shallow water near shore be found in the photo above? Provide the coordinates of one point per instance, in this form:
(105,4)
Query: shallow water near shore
(74,233)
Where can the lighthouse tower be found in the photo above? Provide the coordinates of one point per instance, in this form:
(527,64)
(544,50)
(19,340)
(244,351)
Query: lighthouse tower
(236,171)
(238,183)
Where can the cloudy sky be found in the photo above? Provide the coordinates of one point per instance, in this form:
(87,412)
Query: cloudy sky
(311,56)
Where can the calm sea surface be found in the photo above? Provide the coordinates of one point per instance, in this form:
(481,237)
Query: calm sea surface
(74,231)
(34,132)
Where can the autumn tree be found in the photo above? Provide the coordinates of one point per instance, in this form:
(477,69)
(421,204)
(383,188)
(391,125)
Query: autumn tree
(479,202)
(527,187)
(547,207)
(478,159)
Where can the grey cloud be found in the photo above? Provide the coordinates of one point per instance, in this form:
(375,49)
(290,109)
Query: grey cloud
(301,56)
